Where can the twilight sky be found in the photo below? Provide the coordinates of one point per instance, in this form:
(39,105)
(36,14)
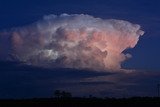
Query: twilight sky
(17,82)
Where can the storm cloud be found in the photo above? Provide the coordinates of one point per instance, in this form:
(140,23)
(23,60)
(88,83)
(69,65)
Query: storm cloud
(71,41)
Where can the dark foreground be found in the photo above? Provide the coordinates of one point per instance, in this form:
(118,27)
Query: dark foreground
(82,102)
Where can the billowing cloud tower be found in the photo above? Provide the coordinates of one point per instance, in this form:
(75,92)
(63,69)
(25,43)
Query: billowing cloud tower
(72,41)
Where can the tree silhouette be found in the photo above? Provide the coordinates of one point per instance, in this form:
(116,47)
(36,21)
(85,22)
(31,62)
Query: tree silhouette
(66,94)
(57,94)
(62,94)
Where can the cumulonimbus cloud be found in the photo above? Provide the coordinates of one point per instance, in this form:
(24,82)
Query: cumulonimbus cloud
(72,41)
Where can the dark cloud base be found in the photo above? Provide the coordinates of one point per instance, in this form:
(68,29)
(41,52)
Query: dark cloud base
(21,81)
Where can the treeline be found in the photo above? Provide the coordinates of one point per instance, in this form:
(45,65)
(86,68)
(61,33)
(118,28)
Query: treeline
(82,102)
(65,99)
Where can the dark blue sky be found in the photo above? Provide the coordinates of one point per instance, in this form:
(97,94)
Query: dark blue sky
(146,55)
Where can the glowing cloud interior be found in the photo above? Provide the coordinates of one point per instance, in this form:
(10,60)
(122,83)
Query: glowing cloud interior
(73,41)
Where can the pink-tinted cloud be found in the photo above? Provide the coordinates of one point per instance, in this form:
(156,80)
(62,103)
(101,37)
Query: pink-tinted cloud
(74,41)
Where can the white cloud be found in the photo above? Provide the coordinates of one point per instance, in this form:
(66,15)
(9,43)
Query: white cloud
(74,41)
